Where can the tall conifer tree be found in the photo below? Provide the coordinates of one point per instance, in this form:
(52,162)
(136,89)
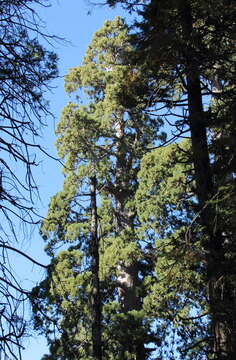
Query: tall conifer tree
(183,230)
(194,42)
(108,137)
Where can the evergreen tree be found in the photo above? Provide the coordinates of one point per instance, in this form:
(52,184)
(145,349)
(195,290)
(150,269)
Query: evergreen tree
(105,138)
(192,43)
(167,211)
(179,222)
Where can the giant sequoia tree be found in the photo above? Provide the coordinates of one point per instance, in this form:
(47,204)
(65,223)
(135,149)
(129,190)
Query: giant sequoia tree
(133,252)
(104,139)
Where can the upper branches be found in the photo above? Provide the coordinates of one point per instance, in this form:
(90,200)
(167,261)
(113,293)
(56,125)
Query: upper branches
(26,68)
(25,71)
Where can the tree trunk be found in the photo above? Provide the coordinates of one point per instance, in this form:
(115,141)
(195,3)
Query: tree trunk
(221,293)
(96,298)
(127,275)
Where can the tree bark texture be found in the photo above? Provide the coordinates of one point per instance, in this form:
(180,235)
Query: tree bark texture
(96,297)
(127,274)
(221,294)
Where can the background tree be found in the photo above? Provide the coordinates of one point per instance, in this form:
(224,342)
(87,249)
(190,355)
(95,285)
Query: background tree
(25,71)
(167,210)
(193,42)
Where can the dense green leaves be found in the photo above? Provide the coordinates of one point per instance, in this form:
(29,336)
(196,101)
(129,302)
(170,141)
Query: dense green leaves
(107,137)
(167,211)
(166,222)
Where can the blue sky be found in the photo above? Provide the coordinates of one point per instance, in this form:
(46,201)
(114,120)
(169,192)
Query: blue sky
(70,20)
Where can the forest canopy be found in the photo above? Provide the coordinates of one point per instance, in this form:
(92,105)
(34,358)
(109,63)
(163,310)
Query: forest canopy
(142,234)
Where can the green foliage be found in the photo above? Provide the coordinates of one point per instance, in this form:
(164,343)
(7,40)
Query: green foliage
(192,44)
(167,211)
(160,222)
(107,137)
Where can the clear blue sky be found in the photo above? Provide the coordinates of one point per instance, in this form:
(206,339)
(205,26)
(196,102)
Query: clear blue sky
(68,19)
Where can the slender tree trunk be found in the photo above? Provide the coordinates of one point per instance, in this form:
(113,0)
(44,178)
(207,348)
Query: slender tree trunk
(221,293)
(96,298)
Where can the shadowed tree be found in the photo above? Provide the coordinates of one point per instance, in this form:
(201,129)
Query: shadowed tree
(193,44)
(25,71)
